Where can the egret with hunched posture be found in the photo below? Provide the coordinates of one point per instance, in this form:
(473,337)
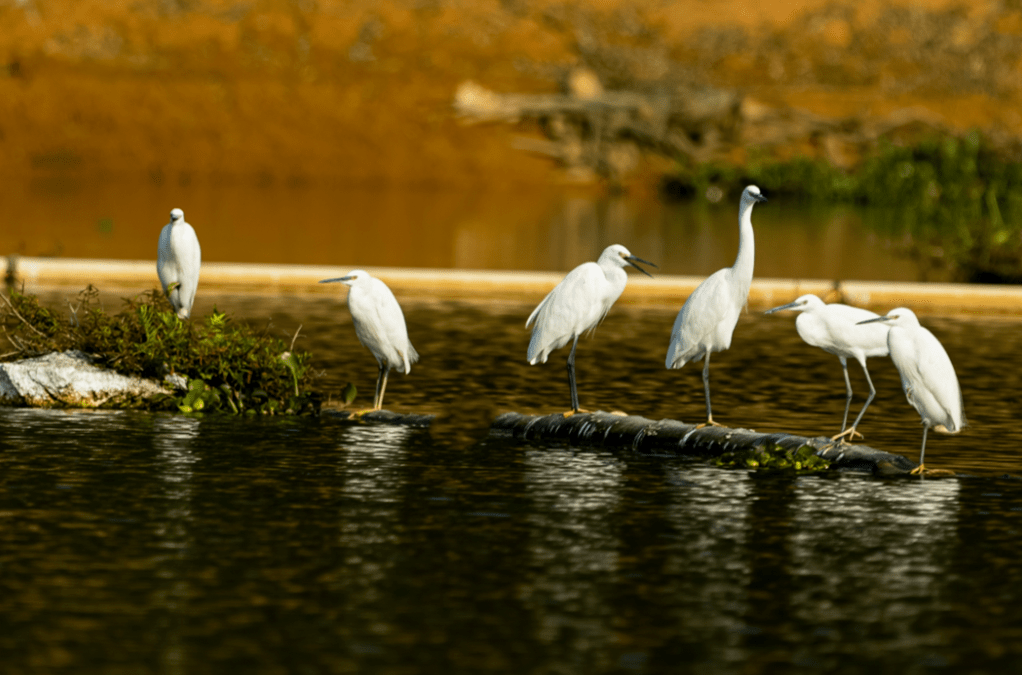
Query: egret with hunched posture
(178,258)
(577,305)
(379,325)
(835,328)
(927,375)
(708,318)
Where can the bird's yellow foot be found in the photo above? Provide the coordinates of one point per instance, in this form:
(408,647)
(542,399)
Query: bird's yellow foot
(850,433)
(709,423)
(572,412)
(358,414)
(931,473)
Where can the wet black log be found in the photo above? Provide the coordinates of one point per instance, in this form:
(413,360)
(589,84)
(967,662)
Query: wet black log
(383,417)
(606,430)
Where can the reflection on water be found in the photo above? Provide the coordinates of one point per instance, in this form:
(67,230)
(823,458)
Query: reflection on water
(173,436)
(161,543)
(541,230)
(573,548)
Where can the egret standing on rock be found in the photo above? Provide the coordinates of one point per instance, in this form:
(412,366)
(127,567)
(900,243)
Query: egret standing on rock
(577,305)
(927,375)
(178,258)
(835,328)
(379,325)
(708,318)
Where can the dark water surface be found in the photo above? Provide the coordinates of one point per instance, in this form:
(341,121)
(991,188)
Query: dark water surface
(138,543)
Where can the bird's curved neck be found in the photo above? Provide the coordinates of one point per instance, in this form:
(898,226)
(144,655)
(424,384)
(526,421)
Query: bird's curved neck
(746,244)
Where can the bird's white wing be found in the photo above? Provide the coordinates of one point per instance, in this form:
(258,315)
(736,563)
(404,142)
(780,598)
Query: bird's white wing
(573,307)
(939,378)
(837,331)
(166,268)
(189,261)
(705,321)
(380,325)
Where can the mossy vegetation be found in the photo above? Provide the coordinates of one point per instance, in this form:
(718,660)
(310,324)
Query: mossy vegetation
(773,458)
(950,202)
(229,367)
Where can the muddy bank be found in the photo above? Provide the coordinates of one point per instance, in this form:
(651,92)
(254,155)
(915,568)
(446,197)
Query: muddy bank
(282,92)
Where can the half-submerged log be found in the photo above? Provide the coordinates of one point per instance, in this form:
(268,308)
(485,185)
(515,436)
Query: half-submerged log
(383,417)
(606,430)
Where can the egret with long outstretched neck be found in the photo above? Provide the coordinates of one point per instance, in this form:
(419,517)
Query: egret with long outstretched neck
(577,305)
(379,325)
(708,318)
(835,328)
(178,259)
(927,375)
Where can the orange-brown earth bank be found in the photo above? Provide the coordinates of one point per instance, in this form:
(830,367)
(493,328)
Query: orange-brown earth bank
(308,90)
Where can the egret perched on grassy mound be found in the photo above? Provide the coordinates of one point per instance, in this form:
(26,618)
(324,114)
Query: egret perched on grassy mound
(835,328)
(379,325)
(178,258)
(577,305)
(927,375)
(708,318)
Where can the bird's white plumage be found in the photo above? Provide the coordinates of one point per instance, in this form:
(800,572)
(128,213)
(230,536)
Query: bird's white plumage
(379,322)
(708,318)
(927,375)
(178,259)
(837,329)
(578,304)
(379,325)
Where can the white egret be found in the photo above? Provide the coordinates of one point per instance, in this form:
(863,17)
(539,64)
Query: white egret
(708,318)
(927,375)
(178,258)
(577,305)
(835,328)
(379,325)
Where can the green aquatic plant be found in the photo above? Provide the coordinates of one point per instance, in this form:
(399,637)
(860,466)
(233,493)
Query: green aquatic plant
(229,367)
(949,202)
(773,457)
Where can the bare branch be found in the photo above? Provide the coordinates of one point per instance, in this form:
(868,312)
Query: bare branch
(23,320)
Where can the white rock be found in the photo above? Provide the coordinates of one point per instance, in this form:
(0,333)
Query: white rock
(69,380)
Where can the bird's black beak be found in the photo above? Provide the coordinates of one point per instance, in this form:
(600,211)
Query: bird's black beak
(760,198)
(879,318)
(790,305)
(632,260)
(330,281)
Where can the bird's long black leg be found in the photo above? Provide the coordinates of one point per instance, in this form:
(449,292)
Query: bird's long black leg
(571,377)
(869,399)
(848,394)
(381,384)
(706,386)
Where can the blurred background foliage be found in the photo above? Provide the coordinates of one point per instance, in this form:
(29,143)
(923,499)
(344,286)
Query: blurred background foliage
(912,106)
(951,202)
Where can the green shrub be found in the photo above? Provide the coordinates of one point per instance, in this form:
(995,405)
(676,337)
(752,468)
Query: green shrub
(229,367)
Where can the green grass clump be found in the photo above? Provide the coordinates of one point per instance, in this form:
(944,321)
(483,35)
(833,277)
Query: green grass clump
(774,458)
(953,203)
(230,367)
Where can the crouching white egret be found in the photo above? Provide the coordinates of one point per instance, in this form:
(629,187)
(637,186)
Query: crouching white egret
(577,305)
(379,325)
(708,318)
(178,259)
(835,328)
(927,375)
